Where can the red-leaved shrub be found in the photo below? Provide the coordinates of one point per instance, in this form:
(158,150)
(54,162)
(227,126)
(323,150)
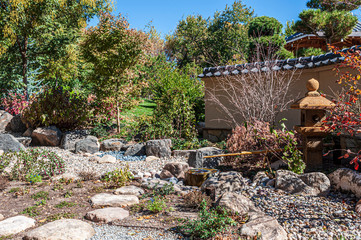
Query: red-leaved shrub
(258,135)
(14,103)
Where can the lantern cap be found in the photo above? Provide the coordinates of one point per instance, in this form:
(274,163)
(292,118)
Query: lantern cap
(313,99)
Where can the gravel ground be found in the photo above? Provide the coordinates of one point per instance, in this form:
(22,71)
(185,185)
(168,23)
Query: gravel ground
(109,232)
(310,217)
(76,163)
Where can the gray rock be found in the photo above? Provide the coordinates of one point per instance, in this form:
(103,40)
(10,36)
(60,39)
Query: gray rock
(278,164)
(5,119)
(88,145)
(26,141)
(107,215)
(129,190)
(113,144)
(261,178)
(64,229)
(9,143)
(174,169)
(15,225)
(309,184)
(159,148)
(223,182)
(346,180)
(46,136)
(237,203)
(267,226)
(110,200)
(71,138)
(197,160)
(155,184)
(183,153)
(136,150)
(17,125)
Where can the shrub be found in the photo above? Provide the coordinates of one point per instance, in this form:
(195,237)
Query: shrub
(57,106)
(209,224)
(156,204)
(195,198)
(14,103)
(118,178)
(260,136)
(32,162)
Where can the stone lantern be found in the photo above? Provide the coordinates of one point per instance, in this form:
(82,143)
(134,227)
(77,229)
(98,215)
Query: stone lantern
(313,111)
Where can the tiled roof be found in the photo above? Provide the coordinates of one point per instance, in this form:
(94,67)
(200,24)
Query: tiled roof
(287,64)
(356,31)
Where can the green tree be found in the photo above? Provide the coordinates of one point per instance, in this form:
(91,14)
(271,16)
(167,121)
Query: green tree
(188,43)
(178,94)
(113,49)
(213,41)
(266,39)
(327,19)
(330,5)
(290,28)
(26,25)
(228,40)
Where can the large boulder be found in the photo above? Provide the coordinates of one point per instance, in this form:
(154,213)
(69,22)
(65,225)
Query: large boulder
(346,180)
(197,160)
(174,169)
(136,150)
(9,143)
(308,184)
(65,229)
(267,226)
(113,144)
(46,136)
(5,119)
(88,145)
(159,148)
(237,203)
(223,182)
(17,125)
(71,138)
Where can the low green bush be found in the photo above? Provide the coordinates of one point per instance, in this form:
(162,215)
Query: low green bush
(209,224)
(118,178)
(57,106)
(32,162)
(156,204)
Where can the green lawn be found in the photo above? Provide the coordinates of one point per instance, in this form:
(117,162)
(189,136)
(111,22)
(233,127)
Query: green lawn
(145,108)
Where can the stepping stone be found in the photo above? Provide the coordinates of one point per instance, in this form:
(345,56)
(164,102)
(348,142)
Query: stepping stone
(107,215)
(110,200)
(64,229)
(129,190)
(15,225)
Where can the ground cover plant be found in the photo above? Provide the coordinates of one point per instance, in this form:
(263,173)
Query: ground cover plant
(32,165)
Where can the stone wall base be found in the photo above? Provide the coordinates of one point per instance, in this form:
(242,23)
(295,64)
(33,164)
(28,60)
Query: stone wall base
(216,135)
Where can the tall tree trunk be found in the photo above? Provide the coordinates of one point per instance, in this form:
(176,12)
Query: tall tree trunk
(118,117)
(23,48)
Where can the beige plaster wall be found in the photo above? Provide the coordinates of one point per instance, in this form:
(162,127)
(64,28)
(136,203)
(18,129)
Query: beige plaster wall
(216,118)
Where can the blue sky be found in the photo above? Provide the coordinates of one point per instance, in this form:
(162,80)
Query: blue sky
(165,14)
